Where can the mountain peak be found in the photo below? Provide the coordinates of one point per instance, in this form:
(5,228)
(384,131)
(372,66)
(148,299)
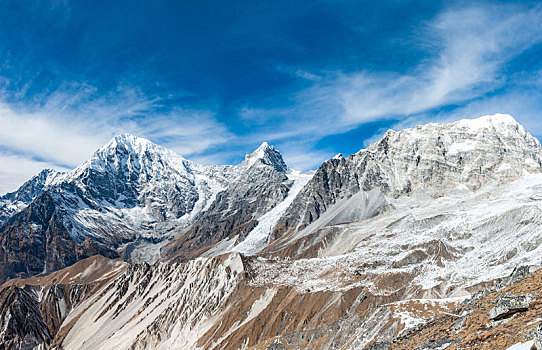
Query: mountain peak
(489,121)
(35,186)
(267,155)
(129,141)
(470,152)
(484,129)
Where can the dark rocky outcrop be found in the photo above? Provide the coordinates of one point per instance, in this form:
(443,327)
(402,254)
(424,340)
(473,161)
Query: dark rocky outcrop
(38,239)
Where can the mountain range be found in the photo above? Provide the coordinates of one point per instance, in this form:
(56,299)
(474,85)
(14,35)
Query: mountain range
(140,248)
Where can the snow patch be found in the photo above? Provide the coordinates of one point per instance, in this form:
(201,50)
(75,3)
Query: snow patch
(522,346)
(258,238)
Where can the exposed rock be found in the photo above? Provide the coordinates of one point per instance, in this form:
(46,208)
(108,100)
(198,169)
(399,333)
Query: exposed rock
(508,304)
(235,211)
(38,240)
(379,346)
(21,322)
(276,346)
(439,344)
(33,310)
(474,333)
(538,337)
(519,273)
(458,325)
(13,202)
(433,158)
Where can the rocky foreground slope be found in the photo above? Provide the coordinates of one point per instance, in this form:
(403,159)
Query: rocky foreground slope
(406,244)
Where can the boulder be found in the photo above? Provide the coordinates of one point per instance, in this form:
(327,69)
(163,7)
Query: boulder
(508,304)
(379,346)
(439,344)
(276,346)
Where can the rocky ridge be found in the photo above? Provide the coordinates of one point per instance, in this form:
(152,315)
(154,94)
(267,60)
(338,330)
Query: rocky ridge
(409,243)
(130,199)
(431,159)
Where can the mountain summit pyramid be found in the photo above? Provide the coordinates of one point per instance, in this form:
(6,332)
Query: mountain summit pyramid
(267,155)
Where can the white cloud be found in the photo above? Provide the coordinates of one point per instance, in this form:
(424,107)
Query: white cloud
(468,50)
(65,127)
(471,47)
(188,132)
(57,140)
(15,170)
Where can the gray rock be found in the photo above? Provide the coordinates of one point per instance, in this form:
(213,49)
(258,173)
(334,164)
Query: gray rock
(439,344)
(519,273)
(379,346)
(458,325)
(507,304)
(538,337)
(276,346)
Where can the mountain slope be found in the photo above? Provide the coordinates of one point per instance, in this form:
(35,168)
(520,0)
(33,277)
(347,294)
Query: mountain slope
(130,199)
(432,159)
(420,226)
(14,202)
(236,210)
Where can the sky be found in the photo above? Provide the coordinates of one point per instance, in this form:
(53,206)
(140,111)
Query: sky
(212,80)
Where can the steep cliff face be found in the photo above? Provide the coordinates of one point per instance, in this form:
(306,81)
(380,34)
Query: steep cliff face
(130,199)
(133,172)
(164,305)
(261,184)
(432,159)
(39,239)
(14,202)
(34,309)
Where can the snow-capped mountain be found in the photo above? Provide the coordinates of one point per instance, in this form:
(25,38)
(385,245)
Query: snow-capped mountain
(259,256)
(429,160)
(235,213)
(129,199)
(13,202)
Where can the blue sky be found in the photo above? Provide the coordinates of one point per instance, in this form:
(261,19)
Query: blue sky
(214,79)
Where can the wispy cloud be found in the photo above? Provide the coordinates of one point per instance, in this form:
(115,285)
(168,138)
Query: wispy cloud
(467,51)
(463,73)
(187,131)
(63,128)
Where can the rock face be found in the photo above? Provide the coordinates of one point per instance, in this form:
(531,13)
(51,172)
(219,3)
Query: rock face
(538,337)
(508,304)
(235,211)
(13,202)
(39,239)
(23,328)
(33,310)
(129,199)
(150,305)
(432,158)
